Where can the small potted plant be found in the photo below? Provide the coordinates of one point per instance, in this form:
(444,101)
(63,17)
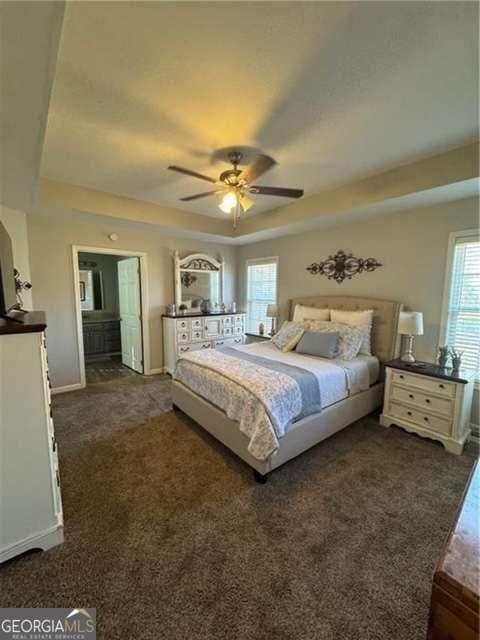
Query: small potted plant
(456,358)
(443,354)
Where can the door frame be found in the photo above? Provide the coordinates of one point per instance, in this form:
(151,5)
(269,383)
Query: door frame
(142,256)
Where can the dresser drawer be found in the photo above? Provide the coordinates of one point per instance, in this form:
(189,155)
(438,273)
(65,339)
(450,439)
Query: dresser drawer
(228,321)
(183,337)
(183,325)
(228,331)
(196,324)
(420,418)
(422,400)
(434,385)
(195,346)
(239,319)
(238,330)
(197,334)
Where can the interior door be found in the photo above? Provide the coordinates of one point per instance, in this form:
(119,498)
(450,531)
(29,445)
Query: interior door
(130,303)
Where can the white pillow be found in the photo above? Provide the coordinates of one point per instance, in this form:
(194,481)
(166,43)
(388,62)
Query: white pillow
(302,312)
(350,337)
(362,319)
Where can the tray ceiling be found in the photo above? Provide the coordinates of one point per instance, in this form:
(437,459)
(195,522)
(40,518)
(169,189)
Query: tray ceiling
(333,91)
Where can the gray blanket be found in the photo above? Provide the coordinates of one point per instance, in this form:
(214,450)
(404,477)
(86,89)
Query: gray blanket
(306,381)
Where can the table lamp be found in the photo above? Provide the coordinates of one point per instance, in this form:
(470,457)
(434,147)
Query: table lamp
(272,312)
(410,324)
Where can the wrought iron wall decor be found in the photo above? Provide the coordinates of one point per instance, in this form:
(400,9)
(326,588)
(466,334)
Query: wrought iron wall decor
(187,278)
(343,265)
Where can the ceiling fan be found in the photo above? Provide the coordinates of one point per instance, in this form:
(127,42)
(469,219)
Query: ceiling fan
(234,185)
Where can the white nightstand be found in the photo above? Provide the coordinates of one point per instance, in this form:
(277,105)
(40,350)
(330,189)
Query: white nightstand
(428,400)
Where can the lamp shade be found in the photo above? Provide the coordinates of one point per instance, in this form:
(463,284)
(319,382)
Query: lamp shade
(411,323)
(272,311)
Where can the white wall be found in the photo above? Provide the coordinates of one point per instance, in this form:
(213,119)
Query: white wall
(412,245)
(51,238)
(15,223)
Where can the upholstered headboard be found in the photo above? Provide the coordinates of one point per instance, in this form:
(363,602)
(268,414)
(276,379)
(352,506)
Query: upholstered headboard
(385,318)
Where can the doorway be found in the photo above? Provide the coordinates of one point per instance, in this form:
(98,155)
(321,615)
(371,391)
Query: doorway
(111,309)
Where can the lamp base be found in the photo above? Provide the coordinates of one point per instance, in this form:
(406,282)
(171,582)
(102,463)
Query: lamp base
(407,349)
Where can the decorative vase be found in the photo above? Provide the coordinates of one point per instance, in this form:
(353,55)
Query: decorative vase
(456,363)
(442,361)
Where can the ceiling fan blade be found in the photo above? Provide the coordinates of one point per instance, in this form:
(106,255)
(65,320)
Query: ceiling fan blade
(276,191)
(199,195)
(256,168)
(245,202)
(194,174)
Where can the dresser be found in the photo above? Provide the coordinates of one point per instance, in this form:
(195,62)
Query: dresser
(430,401)
(30,500)
(454,608)
(200,331)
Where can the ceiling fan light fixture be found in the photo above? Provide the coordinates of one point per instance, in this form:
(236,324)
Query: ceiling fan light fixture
(229,202)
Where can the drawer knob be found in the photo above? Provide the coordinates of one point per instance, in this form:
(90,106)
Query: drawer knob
(442,386)
(401,377)
(425,418)
(410,395)
(427,401)
(409,413)
(184,349)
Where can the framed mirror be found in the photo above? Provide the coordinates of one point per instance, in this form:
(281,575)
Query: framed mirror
(198,277)
(91,290)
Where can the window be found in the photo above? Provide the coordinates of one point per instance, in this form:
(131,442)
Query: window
(261,291)
(461,306)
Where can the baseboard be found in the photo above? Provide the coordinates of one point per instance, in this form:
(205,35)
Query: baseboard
(68,387)
(156,371)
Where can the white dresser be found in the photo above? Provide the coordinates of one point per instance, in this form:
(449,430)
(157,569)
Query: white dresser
(190,333)
(429,402)
(30,500)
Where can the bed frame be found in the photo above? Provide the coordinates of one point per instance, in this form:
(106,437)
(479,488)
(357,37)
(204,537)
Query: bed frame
(313,429)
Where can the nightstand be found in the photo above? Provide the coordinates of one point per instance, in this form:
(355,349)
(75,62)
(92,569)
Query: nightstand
(429,400)
(256,337)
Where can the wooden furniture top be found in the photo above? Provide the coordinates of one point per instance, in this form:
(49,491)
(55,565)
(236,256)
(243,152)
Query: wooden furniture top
(31,322)
(433,370)
(458,569)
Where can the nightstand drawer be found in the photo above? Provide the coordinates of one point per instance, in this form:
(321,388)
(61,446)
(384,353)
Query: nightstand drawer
(434,385)
(420,418)
(422,400)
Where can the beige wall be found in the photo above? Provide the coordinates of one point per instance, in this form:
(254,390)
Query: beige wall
(15,222)
(51,238)
(412,245)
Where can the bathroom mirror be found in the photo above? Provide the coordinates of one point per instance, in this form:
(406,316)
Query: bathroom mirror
(91,290)
(198,277)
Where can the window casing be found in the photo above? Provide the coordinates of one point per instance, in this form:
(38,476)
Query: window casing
(460,327)
(262,290)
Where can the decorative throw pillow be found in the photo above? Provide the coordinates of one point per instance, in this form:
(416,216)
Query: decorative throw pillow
(301,312)
(289,335)
(350,337)
(316,343)
(362,319)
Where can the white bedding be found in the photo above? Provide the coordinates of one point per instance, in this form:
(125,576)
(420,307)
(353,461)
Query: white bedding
(337,378)
(266,405)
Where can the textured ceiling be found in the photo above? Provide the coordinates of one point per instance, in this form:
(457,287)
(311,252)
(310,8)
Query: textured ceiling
(333,91)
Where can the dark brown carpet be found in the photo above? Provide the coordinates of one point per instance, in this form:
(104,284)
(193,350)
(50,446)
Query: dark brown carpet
(168,537)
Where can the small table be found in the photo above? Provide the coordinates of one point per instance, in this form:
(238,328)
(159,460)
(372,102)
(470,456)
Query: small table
(430,401)
(256,337)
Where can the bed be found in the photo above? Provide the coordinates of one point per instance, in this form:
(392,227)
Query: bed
(209,390)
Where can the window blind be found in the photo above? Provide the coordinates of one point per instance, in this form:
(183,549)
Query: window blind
(463,323)
(261,291)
